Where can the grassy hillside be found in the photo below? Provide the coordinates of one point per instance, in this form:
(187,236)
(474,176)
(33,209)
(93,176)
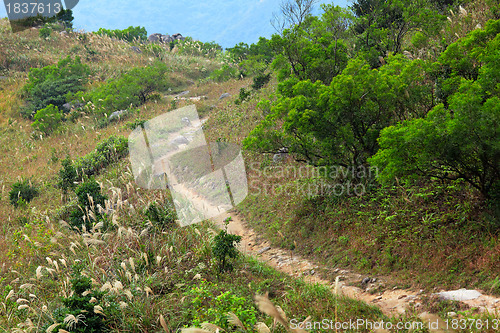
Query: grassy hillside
(131,268)
(145,275)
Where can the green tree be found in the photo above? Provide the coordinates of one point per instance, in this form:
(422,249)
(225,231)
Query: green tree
(133,88)
(316,49)
(381,26)
(51,84)
(460,140)
(338,124)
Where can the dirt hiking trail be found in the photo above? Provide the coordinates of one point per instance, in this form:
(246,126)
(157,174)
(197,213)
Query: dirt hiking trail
(392,302)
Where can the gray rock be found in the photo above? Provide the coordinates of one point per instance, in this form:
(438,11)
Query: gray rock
(135,49)
(225,95)
(177,37)
(373,280)
(452,314)
(64,33)
(164,38)
(117,114)
(366,280)
(459,295)
(267,248)
(70,106)
(182,94)
(153,38)
(180,140)
(67,106)
(277,158)
(186,121)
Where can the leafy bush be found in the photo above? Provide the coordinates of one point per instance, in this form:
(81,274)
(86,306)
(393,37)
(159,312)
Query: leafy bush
(81,304)
(197,48)
(51,84)
(226,72)
(459,138)
(206,304)
(67,175)
(225,247)
(47,119)
(45,32)
(244,95)
(89,197)
(106,152)
(161,215)
(22,191)
(134,88)
(261,80)
(130,34)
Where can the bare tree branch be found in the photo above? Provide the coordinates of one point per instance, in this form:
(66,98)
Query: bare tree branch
(293,12)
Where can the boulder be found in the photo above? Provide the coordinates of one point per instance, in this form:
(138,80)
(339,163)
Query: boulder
(459,295)
(179,140)
(165,38)
(70,106)
(153,38)
(182,94)
(117,114)
(224,96)
(186,121)
(67,106)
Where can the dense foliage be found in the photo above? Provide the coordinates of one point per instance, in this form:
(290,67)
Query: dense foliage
(106,152)
(224,249)
(130,34)
(22,191)
(131,89)
(52,84)
(90,199)
(47,119)
(459,138)
(81,307)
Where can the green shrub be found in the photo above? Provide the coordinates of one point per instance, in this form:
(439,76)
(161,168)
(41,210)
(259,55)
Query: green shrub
(130,34)
(47,119)
(206,304)
(261,80)
(45,32)
(89,197)
(225,73)
(244,95)
(22,191)
(81,304)
(51,84)
(224,248)
(65,17)
(67,175)
(132,89)
(106,152)
(161,215)
(197,48)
